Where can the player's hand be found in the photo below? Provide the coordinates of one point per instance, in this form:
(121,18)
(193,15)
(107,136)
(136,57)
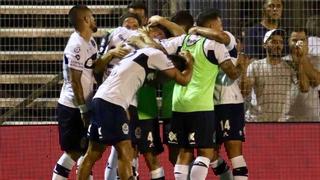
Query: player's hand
(193,30)
(154,20)
(85,117)
(188,56)
(243,61)
(120,51)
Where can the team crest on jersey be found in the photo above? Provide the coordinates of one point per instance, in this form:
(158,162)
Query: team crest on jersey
(137,132)
(125,128)
(76,50)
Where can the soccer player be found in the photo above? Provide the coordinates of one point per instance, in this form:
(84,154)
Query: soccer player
(110,124)
(80,57)
(229,108)
(193,124)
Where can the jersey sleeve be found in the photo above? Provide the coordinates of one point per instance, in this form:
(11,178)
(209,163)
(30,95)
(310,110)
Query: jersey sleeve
(173,45)
(216,51)
(75,55)
(160,61)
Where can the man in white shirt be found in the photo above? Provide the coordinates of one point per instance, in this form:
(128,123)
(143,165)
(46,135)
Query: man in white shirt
(110,123)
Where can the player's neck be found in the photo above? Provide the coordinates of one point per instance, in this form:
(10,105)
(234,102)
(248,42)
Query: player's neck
(86,35)
(269,23)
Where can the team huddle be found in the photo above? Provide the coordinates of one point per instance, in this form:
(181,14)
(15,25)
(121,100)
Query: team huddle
(197,69)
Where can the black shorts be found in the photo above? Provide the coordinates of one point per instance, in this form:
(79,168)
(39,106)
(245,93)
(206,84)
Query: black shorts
(110,124)
(147,136)
(133,113)
(230,122)
(72,133)
(166,128)
(193,129)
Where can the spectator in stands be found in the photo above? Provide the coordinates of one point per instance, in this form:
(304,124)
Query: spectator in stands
(80,56)
(306,106)
(313,31)
(273,80)
(139,8)
(253,36)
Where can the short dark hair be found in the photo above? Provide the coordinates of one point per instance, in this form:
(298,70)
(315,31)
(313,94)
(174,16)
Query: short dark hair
(74,14)
(164,29)
(207,15)
(178,61)
(138,5)
(127,15)
(183,18)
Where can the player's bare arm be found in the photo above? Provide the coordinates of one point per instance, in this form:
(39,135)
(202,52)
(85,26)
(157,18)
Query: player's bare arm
(184,77)
(75,76)
(234,71)
(212,34)
(175,29)
(245,84)
(119,52)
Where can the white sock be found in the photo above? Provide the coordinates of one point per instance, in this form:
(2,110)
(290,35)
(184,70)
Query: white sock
(135,165)
(181,172)
(221,169)
(199,170)
(110,172)
(63,167)
(157,173)
(240,171)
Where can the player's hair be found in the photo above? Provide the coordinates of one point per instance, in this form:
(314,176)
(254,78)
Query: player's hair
(164,29)
(178,61)
(183,18)
(75,14)
(313,25)
(207,15)
(139,5)
(127,15)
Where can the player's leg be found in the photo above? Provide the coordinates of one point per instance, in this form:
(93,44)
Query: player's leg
(72,140)
(93,154)
(149,143)
(179,137)
(202,136)
(232,125)
(125,156)
(110,172)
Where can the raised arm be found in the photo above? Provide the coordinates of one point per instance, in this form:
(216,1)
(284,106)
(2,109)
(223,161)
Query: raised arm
(174,28)
(212,34)
(246,80)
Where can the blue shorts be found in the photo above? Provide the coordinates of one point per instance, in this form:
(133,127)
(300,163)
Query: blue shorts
(230,122)
(109,123)
(72,133)
(193,129)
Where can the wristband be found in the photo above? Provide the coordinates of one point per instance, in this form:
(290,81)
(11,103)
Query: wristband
(83,108)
